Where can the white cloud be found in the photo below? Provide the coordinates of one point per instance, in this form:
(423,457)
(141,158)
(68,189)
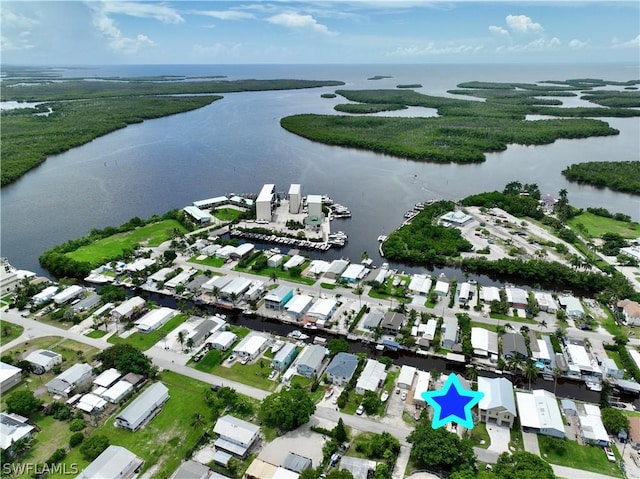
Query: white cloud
(6,44)
(116,40)
(576,44)
(298,22)
(225,14)
(12,19)
(539,45)
(217,49)
(498,30)
(143,10)
(523,24)
(433,49)
(633,43)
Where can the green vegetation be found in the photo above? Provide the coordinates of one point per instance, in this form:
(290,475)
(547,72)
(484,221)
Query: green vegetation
(423,241)
(379,77)
(144,341)
(209,361)
(328,95)
(596,226)
(440,450)
(210,261)
(9,331)
(252,374)
(367,108)
(465,130)
(480,436)
(227,214)
(617,175)
(409,85)
(287,410)
(126,359)
(516,199)
(29,136)
(257,264)
(96,333)
(571,454)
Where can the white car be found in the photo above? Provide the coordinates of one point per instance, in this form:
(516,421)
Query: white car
(360,410)
(384,397)
(273,374)
(403,396)
(231,358)
(244,360)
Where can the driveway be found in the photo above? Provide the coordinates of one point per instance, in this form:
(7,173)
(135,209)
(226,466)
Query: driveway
(500,438)
(302,441)
(530,441)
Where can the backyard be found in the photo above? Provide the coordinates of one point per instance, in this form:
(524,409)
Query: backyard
(147,340)
(571,454)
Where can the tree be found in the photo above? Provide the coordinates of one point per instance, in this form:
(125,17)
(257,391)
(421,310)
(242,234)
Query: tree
(287,409)
(557,372)
(197,420)
(382,471)
(190,343)
(614,421)
(522,465)
(472,372)
(182,336)
(371,402)
(339,474)
(93,446)
(340,432)
(273,276)
(23,403)
(126,359)
(337,345)
(530,371)
(440,449)
(112,294)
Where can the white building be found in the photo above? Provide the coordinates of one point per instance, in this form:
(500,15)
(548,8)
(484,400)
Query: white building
(235,435)
(372,377)
(591,426)
(143,408)
(236,288)
(322,310)
(353,273)
(294,261)
(298,306)
(225,252)
(215,284)
(295,198)
(422,385)
(456,218)
(450,334)
(317,267)
(128,308)
(211,202)
(542,354)
(155,319)
(484,342)
(115,462)
(180,278)
(223,340)
(572,307)
(406,377)
(540,413)
(68,294)
(107,378)
(498,404)
(489,293)
(546,302)
(13,428)
(117,392)
(45,295)
(314,203)
(465,293)
(197,215)
(139,265)
(264,202)
(516,297)
(430,329)
(159,275)
(630,311)
(9,376)
(91,403)
(275,260)
(251,346)
(43,360)
(441,288)
(75,379)
(420,284)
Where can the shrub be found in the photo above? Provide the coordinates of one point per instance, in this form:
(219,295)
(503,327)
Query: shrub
(77,425)
(57,456)
(75,439)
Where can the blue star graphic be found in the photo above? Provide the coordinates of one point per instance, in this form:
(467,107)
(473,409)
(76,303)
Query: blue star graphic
(452,403)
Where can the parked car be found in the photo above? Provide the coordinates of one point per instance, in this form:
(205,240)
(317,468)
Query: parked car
(397,390)
(360,410)
(244,360)
(404,396)
(610,455)
(273,374)
(231,358)
(216,387)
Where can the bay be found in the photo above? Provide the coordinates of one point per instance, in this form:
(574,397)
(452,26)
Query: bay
(236,144)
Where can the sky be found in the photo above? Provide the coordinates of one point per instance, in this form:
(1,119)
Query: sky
(318,32)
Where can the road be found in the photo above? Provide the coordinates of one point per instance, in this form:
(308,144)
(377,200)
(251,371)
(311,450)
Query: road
(35,329)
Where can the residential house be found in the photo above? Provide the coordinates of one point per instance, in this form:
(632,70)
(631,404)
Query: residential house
(9,376)
(75,379)
(68,294)
(546,302)
(572,307)
(298,306)
(117,392)
(422,383)
(91,403)
(192,470)
(392,322)
(341,368)
(513,345)
(420,284)
(336,268)
(310,361)
(465,293)
(44,296)
(450,333)
(127,309)
(13,428)
(516,297)
(498,404)
(353,273)
(406,377)
(143,408)
(591,427)
(540,413)
(155,319)
(251,346)
(630,311)
(321,311)
(372,320)
(372,377)
(107,378)
(456,218)
(235,435)
(285,356)
(43,360)
(115,462)
(484,342)
(278,298)
(223,340)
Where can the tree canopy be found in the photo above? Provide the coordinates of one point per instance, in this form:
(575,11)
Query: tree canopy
(93,446)
(440,449)
(23,403)
(287,409)
(617,175)
(126,359)
(614,420)
(522,465)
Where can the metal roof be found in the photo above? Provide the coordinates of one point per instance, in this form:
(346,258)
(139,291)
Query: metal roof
(114,462)
(498,393)
(136,412)
(343,365)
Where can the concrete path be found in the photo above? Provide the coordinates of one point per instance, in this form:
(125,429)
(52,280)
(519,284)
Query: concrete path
(500,437)
(530,441)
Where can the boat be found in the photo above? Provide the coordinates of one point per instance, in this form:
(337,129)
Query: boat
(277,346)
(328,393)
(295,334)
(384,397)
(594,386)
(249,312)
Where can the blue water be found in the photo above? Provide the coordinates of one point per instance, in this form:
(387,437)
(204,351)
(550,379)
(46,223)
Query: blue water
(236,144)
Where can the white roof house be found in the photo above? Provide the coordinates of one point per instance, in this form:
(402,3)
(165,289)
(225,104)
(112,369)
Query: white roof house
(126,309)
(242,250)
(372,377)
(539,411)
(298,305)
(498,402)
(236,287)
(12,429)
(9,376)
(420,284)
(318,267)
(572,306)
(591,425)
(180,278)
(336,268)
(225,251)
(107,378)
(353,273)
(295,260)
(216,283)
(143,408)
(160,275)
(235,435)
(546,302)
(77,376)
(456,218)
(578,356)
(139,265)
(251,346)
(117,392)
(484,342)
(42,360)
(155,319)
(68,294)
(635,355)
(322,309)
(91,403)
(450,334)
(441,288)
(406,377)
(310,360)
(211,202)
(516,297)
(44,295)
(223,340)
(255,290)
(197,214)
(430,329)
(115,462)
(464,292)
(543,354)
(422,385)
(489,293)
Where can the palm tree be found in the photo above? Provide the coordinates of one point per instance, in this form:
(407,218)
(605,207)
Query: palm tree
(234,298)
(524,330)
(181,338)
(557,372)
(472,372)
(190,343)
(530,371)
(162,336)
(197,420)
(273,276)
(358,291)
(215,292)
(507,326)
(543,324)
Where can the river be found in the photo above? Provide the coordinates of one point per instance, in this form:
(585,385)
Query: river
(236,144)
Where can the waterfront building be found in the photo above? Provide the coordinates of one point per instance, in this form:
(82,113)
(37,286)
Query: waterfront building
(128,308)
(630,311)
(392,322)
(298,306)
(295,198)
(353,273)
(484,342)
(341,368)
(546,302)
(540,413)
(265,202)
(336,268)
(322,310)
(210,203)
(310,361)
(68,294)
(572,307)
(465,293)
(216,284)
(422,385)
(314,205)
(294,261)
(275,260)
(44,296)
(251,346)
(197,215)
(406,377)
(372,320)
(279,297)
(489,293)
(155,319)
(285,356)
(420,284)
(513,345)
(498,404)
(516,297)
(456,218)
(372,377)
(450,333)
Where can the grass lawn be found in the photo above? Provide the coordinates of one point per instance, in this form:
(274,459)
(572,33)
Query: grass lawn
(168,437)
(210,261)
(9,331)
(598,225)
(209,361)
(478,434)
(328,286)
(362,438)
(72,351)
(227,214)
(282,274)
(588,458)
(106,249)
(490,327)
(145,341)
(516,443)
(250,374)
(96,333)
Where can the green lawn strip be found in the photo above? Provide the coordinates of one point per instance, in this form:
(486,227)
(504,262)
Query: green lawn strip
(9,331)
(209,261)
(208,362)
(167,438)
(240,331)
(507,319)
(478,434)
(610,324)
(587,458)
(145,341)
(596,226)
(227,214)
(96,333)
(515,437)
(282,274)
(353,402)
(250,374)
(106,249)
(72,351)
(490,327)
(361,439)
(329,286)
